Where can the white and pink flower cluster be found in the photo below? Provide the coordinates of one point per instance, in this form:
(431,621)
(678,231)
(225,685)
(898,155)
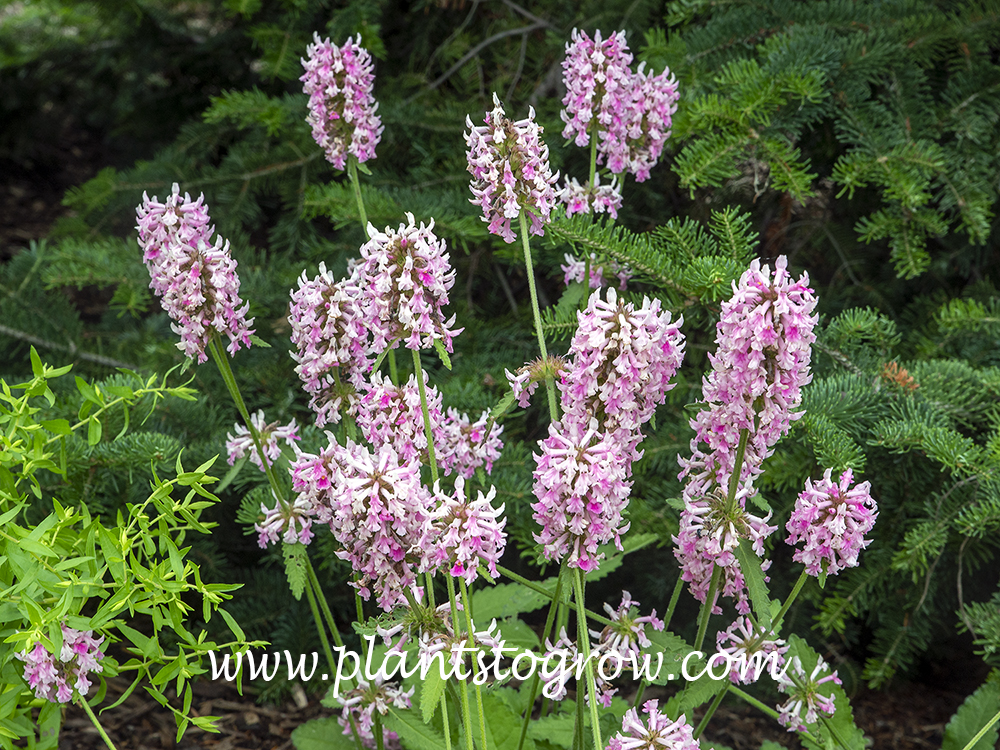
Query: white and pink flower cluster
(239,445)
(629,113)
(362,702)
(747,645)
(658,733)
(596,198)
(764,343)
(509,163)
(59,680)
(194,276)
(832,518)
(342,109)
(622,360)
(600,276)
(805,695)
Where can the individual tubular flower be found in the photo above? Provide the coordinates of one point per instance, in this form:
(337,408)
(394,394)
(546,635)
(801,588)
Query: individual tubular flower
(378,511)
(468,532)
(331,341)
(585,199)
(654,101)
(238,446)
(291,523)
(525,381)
(59,680)
(832,519)
(342,110)
(390,414)
(804,692)
(581,486)
(598,93)
(195,278)
(510,171)
(622,361)
(463,446)
(749,651)
(657,733)
(363,701)
(405,276)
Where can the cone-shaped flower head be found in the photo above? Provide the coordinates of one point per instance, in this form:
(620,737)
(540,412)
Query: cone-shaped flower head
(509,164)
(405,277)
(581,486)
(468,532)
(657,733)
(342,110)
(389,414)
(832,519)
(654,101)
(196,279)
(806,702)
(270,434)
(61,679)
(332,345)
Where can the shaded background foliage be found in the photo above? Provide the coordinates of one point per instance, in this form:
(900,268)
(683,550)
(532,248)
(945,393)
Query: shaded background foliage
(858,138)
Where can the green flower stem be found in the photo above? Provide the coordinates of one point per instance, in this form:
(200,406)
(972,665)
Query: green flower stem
(430,589)
(734,479)
(222,361)
(833,730)
(314,581)
(803,577)
(583,646)
(578,729)
(706,607)
(593,161)
(548,594)
(393,372)
(546,633)
(97,723)
(467,606)
(979,735)
(352,171)
(446,724)
(464,692)
(673,602)
(550,385)
(419,374)
(377,720)
(711,709)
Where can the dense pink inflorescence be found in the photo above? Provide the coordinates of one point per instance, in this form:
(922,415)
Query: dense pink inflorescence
(60,679)
(468,532)
(462,446)
(804,692)
(378,511)
(581,486)
(746,645)
(654,101)
(363,701)
(657,733)
(509,164)
(832,519)
(291,523)
(622,361)
(194,276)
(342,110)
(332,347)
(764,339)
(586,199)
(237,446)
(405,277)
(391,415)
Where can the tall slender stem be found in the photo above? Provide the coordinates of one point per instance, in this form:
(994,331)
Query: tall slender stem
(352,171)
(734,479)
(379,740)
(583,645)
(467,606)
(711,710)
(545,592)
(550,385)
(464,692)
(393,372)
(673,603)
(706,608)
(803,576)
(97,724)
(428,433)
(593,162)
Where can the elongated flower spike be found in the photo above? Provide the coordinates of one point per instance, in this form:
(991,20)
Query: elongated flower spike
(510,170)
(342,109)
(60,679)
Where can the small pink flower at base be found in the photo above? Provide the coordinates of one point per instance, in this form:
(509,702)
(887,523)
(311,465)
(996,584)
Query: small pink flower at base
(342,110)
(658,733)
(238,446)
(292,524)
(405,276)
(363,701)
(60,680)
(804,692)
(574,270)
(195,279)
(748,647)
(468,533)
(463,446)
(510,171)
(331,341)
(653,104)
(525,381)
(584,199)
(832,519)
(581,486)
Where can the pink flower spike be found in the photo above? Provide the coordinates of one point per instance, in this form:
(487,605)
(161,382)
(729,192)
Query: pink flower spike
(342,110)
(196,280)
(832,519)
(291,524)
(747,646)
(468,533)
(582,199)
(60,680)
(653,105)
(510,171)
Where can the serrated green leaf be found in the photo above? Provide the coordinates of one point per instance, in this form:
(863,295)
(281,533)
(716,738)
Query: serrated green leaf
(754,577)
(412,731)
(442,353)
(431,691)
(295,567)
(975,713)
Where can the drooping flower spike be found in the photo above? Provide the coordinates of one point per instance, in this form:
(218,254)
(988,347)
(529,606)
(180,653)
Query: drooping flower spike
(510,170)
(194,276)
(342,109)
